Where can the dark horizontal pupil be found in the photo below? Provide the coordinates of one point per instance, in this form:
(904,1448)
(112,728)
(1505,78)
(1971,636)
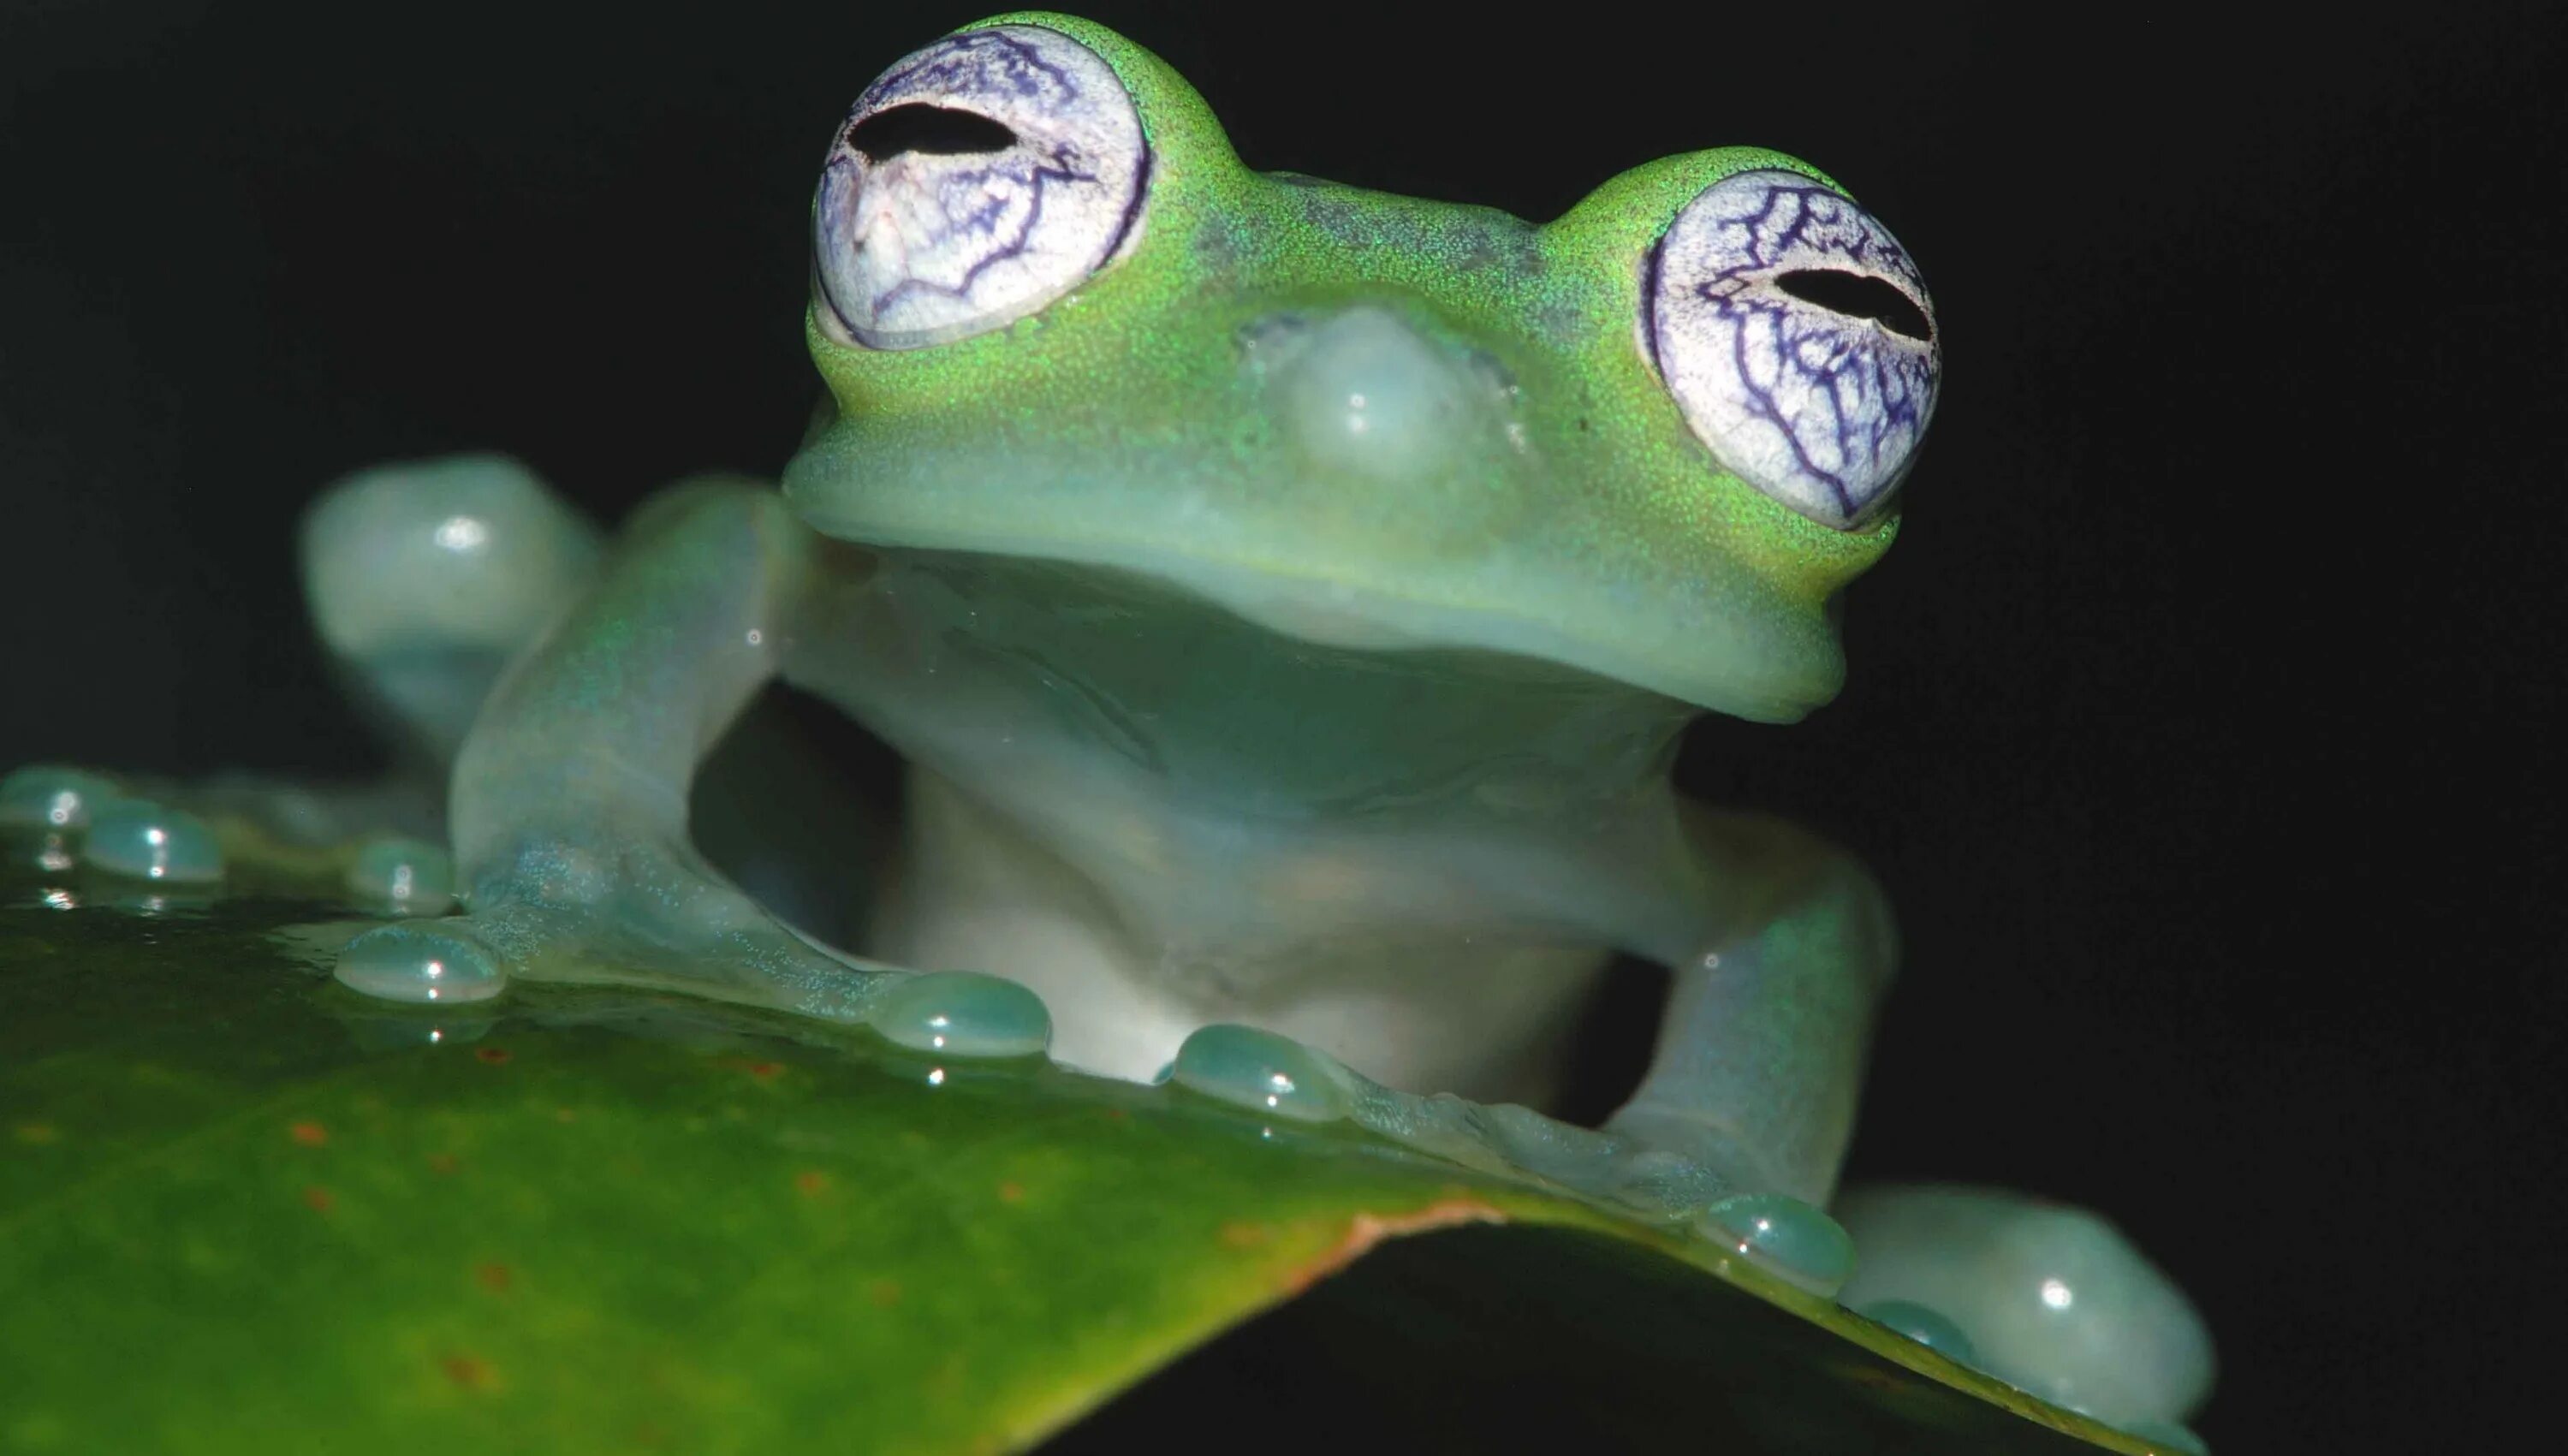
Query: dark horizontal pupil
(1861,296)
(932,130)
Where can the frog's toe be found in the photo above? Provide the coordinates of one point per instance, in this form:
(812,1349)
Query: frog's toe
(48,797)
(599,908)
(962,1013)
(69,816)
(45,810)
(1276,1077)
(465,959)
(1675,1181)
(617,906)
(1266,1072)
(431,962)
(146,840)
(1783,1235)
(2048,1298)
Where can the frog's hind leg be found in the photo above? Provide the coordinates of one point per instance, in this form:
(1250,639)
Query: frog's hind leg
(2048,1298)
(422,579)
(425,577)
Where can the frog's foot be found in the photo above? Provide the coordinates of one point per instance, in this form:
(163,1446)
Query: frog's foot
(235,832)
(2048,1298)
(598,909)
(1702,1183)
(425,577)
(57,819)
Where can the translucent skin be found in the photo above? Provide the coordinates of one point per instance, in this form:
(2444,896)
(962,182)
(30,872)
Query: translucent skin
(1288,627)
(1525,483)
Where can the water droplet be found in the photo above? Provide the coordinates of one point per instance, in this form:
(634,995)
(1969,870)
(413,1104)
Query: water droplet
(1785,1237)
(415,962)
(150,841)
(1264,1072)
(963,1014)
(410,876)
(1921,1325)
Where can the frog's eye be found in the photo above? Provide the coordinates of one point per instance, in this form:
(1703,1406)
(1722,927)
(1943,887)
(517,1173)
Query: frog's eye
(1796,334)
(975,182)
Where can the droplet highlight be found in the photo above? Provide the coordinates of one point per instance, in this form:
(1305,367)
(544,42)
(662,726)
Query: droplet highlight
(1785,1237)
(1264,1072)
(963,1014)
(150,841)
(413,963)
(1923,1325)
(407,876)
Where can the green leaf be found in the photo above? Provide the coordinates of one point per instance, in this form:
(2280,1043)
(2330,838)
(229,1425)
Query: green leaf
(242,1209)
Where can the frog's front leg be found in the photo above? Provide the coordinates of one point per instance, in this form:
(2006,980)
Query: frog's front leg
(1778,946)
(1778,957)
(568,801)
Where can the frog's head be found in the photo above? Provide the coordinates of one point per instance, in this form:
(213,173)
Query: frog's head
(1649,440)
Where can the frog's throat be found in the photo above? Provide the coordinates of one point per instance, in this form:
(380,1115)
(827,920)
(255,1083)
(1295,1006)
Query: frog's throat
(976,664)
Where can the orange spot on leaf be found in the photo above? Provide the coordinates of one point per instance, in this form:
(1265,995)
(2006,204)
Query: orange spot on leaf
(318,1199)
(811,1182)
(885,1293)
(468,1370)
(491,1054)
(494,1277)
(763,1068)
(441,1162)
(37,1132)
(1238,1235)
(310,1134)
(1011,1193)
(1366,1229)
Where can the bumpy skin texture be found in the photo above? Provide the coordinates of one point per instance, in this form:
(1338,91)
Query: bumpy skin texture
(1287,596)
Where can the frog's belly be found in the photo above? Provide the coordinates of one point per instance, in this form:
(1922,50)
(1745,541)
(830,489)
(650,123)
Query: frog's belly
(1284,936)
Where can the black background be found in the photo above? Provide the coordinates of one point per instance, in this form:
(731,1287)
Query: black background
(2201,720)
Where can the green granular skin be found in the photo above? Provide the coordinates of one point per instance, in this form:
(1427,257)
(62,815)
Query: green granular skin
(1091,416)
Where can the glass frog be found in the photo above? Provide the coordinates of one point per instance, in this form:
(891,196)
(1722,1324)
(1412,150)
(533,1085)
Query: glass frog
(1287,597)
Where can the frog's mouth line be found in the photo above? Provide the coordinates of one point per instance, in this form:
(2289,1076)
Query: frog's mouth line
(1749,659)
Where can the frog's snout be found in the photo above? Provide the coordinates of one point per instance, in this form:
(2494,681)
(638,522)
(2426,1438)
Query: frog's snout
(1364,391)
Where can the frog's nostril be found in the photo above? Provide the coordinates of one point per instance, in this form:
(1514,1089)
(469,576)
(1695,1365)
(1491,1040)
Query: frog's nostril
(1365,392)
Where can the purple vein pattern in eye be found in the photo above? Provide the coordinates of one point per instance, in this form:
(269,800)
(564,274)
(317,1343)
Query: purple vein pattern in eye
(920,244)
(1822,410)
